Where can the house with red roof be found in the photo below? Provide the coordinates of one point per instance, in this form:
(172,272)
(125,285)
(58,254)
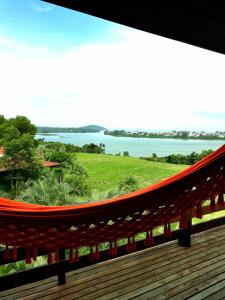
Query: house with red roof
(45,163)
(1,151)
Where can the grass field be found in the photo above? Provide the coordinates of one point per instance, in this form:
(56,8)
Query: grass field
(106,171)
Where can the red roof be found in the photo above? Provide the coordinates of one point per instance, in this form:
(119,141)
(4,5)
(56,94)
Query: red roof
(2,150)
(45,163)
(49,164)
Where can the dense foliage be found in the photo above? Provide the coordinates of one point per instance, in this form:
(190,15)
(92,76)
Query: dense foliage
(20,160)
(22,166)
(47,147)
(92,148)
(189,159)
(50,190)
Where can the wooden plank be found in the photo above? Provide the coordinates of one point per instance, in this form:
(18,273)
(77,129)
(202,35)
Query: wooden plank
(120,264)
(184,287)
(29,286)
(220,294)
(189,287)
(114,262)
(131,277)
(134,258)
(92,269)
(115,272)
(35,289)
(152,286)
(181,248)
(219,284)
(46,270)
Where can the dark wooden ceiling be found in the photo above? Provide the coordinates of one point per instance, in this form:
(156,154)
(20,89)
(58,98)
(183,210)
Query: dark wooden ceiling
(199,23)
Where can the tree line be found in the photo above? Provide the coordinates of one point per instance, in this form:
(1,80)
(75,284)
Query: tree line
(182,159)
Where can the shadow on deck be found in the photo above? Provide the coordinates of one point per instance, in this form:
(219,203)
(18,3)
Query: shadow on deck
(166,271)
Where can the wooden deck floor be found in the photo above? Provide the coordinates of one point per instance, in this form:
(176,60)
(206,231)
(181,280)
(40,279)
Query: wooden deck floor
(167,271)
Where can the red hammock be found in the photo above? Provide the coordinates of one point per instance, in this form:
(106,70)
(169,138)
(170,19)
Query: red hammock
(36,227)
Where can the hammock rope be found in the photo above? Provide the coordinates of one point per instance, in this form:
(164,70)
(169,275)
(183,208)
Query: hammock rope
(36,227)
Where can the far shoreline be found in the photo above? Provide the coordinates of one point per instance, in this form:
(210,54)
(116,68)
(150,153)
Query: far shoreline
(181,135)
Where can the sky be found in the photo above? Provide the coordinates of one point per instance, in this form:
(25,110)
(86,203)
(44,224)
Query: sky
(62,68)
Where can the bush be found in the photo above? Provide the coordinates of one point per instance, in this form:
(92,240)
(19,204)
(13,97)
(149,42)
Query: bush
(126,153)
(128,184)
(72,148)
(189,159)
(63,158)
(93,148)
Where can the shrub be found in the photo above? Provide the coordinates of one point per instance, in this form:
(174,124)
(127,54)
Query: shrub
(128,184)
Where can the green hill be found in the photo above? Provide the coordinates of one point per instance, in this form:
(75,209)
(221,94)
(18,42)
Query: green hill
(83,129)
(106,171)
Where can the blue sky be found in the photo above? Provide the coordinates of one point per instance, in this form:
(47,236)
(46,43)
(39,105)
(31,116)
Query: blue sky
(64,68)
(37,22)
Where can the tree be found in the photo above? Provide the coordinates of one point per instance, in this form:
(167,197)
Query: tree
(154,157)
(102,147)
(23,125)
(20,159)
(8,133)
(72,148)
(61,157)
(126,153)
(2,119)
(184,134)
(93,148)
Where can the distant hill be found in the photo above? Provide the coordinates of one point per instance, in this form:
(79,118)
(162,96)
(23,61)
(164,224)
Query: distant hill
(83,129)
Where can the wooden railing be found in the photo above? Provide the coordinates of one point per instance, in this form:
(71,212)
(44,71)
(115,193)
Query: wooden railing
(61,268)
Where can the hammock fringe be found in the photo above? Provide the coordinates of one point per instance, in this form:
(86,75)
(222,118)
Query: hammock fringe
(183,222)
(167,230)
(149,240)
(91,255)
(50,259)
(56,255)
(28,256)
(212,203)
(14,253)
(76,257)
(220,200)
(6,255)
(199,211)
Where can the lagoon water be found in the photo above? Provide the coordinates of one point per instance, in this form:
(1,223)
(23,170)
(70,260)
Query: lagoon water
(135,146)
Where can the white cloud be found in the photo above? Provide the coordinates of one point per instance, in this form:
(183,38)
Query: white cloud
(40,7)
(139,81)
(11,46)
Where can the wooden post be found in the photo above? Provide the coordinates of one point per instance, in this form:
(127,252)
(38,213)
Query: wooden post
(184,236)
(61,273)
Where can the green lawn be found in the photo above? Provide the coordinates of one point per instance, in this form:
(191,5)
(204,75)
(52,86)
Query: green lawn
(105,171)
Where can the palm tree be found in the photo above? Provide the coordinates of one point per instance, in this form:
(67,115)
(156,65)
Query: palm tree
(49,191)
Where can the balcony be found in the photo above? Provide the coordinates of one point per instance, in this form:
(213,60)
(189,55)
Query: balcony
(166,271)
(157,269)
